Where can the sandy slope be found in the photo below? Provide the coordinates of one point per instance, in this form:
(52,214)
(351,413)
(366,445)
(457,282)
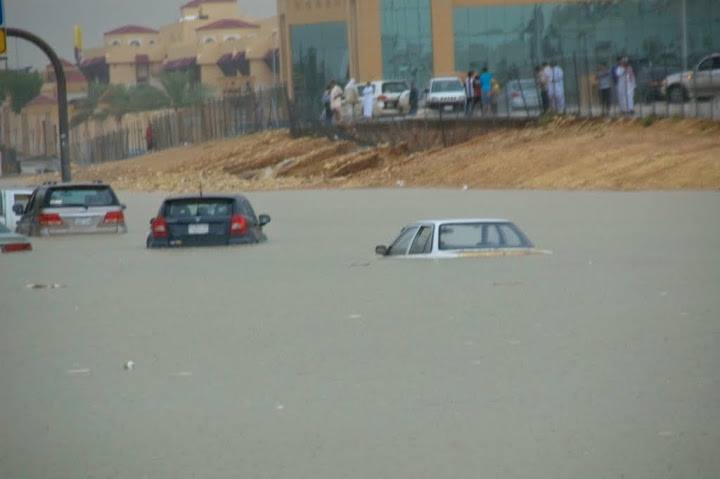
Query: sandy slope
(565,154)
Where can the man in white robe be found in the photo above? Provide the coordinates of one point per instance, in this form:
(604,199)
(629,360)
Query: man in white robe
(547,74)
(368,100)
(558,86)
(351,97)
(626,87)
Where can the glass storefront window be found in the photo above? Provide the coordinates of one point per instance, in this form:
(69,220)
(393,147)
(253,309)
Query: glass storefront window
(319,55)
(406,36)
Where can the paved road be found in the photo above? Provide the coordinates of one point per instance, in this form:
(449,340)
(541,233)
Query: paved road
(308,358)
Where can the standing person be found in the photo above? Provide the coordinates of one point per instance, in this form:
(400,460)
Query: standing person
(469,93)
(615,78)
(541,85)
(413,99)
(351,97)
(149,138)
(494,95)
(336,97)
(368,101)
(547,73)
(477,92)
(558,77)
(626,87)
(327,109)
(604,82)
(486,78)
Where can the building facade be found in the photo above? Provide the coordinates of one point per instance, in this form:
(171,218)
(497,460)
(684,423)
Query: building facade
(322,40)
(212,41)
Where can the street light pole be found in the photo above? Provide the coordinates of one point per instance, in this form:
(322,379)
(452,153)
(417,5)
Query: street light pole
(63,123)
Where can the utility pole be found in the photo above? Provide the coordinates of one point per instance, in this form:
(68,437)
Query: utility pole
(63,123)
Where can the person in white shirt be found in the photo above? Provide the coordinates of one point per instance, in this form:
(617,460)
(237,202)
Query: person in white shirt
(558,86)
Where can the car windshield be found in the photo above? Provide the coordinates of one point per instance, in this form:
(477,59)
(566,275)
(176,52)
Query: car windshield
(394,87)
(208,208)
(480,235)
(446,86)
(84,196)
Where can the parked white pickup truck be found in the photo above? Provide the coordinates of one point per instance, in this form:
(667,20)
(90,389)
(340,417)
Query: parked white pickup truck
(8,198)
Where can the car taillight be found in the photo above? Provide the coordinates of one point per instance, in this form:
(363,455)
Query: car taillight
(114,217)
(50,219)
(158,228)
(238,225)
(16,247)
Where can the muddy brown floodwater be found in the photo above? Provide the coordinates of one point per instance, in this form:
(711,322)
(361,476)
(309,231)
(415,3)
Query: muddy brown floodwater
(307,357)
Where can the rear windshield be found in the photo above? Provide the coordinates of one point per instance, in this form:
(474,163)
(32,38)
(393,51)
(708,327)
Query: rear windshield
(80,196)
(208,208)
(394,87)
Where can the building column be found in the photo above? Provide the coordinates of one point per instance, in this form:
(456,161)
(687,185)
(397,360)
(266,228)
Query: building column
(443,37)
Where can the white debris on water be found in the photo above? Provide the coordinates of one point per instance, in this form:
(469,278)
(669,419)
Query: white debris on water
(129,366)
(355,316)
(663,293)
(44,286)
(279,407)
(183,374)
(78,371)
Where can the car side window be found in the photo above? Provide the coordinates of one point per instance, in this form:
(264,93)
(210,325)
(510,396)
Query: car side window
(400,246)
(248,211)
(423,241)
(510,236)
(716,63)
(492,237)
(706,65)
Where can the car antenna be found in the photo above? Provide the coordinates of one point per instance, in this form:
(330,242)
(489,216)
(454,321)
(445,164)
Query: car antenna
(201,189)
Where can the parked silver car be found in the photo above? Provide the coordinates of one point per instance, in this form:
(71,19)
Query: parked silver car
(75,208)
(701,82)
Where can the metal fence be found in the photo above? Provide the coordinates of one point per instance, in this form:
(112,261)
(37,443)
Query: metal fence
(656,89)
(212,119)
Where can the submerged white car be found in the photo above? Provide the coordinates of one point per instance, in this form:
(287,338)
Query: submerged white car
(460,238)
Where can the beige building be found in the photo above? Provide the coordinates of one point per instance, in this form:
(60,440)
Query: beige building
(212,41)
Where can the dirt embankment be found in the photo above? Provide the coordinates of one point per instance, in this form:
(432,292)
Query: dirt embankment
(564,154)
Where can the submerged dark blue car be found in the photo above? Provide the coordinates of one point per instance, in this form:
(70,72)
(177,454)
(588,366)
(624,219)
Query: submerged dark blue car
(185,221)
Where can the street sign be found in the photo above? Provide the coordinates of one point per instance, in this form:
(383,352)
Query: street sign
(3,34)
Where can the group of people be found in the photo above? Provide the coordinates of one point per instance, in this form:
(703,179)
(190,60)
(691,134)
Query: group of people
(550,79)
(620,80)
(480,89)
(355,94)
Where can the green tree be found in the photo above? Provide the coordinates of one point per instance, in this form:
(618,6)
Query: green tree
(182,90)
(21,86)
(146,98)
(87,107)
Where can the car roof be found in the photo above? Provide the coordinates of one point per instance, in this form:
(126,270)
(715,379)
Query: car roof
(205,197)
(84,184)
(444,79)
(463,221)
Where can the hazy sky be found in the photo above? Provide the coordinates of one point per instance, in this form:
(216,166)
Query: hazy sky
(53,20)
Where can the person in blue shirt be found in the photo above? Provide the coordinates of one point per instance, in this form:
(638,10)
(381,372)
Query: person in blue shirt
(486,88)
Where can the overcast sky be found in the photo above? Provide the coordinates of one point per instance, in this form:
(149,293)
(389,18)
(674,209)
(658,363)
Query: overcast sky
(53,20)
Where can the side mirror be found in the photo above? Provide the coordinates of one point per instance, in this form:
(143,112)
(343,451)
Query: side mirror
(264,220)
(381,250)
(18,209)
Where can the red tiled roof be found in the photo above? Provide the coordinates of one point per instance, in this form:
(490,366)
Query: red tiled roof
(74,76)
(42,100)
(227,23)
(130,29)
(197,3)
